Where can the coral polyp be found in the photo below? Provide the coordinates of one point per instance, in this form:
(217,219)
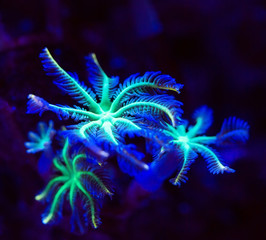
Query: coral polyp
(40,142)
(72,181)
(189,142)
(119,108)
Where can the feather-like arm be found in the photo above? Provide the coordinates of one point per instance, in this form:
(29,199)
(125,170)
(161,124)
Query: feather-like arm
(204,140)
(214,164)
(69,82)
(52,183)
(94,218)
(233,130)
(151,82)
(87,127)
(59,196)
(188,156)
(72,196)
(39,105)
(108,129)
(59,166)
(149,105)
(95,182)
(76,160)
(203,117)
(125,126)
(156,105)
(102,84)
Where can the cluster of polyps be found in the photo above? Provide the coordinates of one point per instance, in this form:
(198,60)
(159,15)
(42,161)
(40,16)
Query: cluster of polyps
(140,106)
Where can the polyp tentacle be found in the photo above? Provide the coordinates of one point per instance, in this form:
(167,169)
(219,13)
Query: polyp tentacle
(115,104)
(181,177)
(92,206)
(51,184)
(76,158)
(71,111)
(146,104)
(97,180)
(194,130)
(54,205)
(214,164)
(128,122)
(87,126)
(204,140)
(107,127)
(49,63)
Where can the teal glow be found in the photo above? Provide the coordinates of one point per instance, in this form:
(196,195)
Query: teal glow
(112,111)
(70,181)
(188,143)
(183,139)
(41,140)
(114,105)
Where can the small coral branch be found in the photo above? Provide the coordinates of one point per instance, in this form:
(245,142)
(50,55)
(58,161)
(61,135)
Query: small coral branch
(89,183)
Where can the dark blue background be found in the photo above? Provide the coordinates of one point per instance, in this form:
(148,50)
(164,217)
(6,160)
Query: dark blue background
(216,48)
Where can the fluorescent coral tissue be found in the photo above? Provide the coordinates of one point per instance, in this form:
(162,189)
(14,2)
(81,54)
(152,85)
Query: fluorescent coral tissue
(106,115)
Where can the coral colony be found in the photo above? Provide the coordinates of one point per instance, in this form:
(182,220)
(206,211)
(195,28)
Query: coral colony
(189,144)
(107,112)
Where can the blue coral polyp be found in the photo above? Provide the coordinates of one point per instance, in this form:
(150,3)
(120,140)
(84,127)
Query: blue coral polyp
(119,108)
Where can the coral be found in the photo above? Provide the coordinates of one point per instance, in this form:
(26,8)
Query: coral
(119,108)
(108,112)
(189,142)
(40,142)
(87,183)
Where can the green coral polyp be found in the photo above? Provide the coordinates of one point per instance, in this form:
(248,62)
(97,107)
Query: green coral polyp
(107,123)
(188,145)
(71,181)
(116,106)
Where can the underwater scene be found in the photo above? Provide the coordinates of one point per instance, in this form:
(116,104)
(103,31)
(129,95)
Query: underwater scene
(135,119)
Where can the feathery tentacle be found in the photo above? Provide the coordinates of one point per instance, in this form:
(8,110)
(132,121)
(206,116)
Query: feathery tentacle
(69,82)
(188,156)
(102,84)
(214,164)
(155,105)
(37,104)
(150,82)
(233,130)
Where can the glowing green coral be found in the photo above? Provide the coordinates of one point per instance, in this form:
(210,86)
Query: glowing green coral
(106,114)
(189,144)
(72,181)
(109,111)
(119,108)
